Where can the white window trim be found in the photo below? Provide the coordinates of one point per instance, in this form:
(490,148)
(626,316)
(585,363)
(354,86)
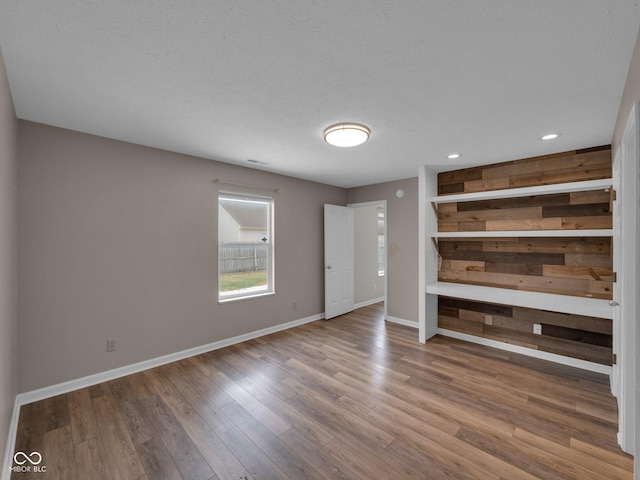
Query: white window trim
(270,288)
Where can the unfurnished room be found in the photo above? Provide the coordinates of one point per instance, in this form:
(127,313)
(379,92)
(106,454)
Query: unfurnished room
(289,240)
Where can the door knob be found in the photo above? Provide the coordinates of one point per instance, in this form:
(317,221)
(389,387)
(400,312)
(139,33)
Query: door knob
(613,303)
(328,267)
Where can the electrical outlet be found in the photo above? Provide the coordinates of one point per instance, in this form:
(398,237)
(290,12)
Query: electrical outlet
(537,329)
(111,345)
(294,305)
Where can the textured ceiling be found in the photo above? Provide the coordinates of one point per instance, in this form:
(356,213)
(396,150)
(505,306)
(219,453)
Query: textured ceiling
(238,80)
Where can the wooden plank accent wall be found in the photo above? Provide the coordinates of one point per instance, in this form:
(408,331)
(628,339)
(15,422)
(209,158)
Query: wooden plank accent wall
(540,212)
(574,166)
(586,338)
(576,266)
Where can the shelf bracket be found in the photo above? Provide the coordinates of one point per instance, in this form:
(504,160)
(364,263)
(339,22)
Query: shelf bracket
(435,245)
(437,249)
(435,210)
(612,197)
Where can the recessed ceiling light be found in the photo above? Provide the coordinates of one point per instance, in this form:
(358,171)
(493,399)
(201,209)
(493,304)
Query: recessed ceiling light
(550,136)
(346,134)
(453,156)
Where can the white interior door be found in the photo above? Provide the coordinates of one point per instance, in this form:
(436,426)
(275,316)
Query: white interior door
(338,260)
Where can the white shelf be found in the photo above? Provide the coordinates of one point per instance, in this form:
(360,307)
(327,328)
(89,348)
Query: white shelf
(601,232)
(592,307)
(585,186)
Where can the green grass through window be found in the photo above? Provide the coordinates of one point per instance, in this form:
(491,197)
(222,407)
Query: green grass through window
(236,281)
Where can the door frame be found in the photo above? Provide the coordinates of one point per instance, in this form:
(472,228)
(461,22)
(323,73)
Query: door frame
(626,384)
(615,379)
(386,238)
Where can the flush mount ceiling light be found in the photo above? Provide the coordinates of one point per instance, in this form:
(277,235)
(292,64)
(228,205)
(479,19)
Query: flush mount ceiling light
(346,134)
(453,156)
(550,136)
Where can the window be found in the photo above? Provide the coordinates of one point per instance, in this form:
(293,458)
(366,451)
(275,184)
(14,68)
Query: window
(381,244)
(245,246)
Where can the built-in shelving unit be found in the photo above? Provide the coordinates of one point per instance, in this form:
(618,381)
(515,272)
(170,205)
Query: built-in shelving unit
(593,307)
(570,187)
(601,232)
(511,263)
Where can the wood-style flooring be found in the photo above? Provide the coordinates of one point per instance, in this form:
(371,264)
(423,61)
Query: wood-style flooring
(349,398)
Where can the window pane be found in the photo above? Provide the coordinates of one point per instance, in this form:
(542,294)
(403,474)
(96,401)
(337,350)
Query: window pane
(381,243)
(381,254)
(245,246)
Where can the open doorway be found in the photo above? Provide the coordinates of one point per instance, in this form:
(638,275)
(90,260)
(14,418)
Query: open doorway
(370,253)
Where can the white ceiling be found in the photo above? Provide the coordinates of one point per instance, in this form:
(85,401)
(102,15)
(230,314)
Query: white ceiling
(234,80)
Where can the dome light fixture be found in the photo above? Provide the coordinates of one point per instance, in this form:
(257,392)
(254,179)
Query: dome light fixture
(346,134)
(453,156)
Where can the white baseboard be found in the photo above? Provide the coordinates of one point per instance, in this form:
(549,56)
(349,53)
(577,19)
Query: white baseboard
(366,303)
(71,385)
(11,442)
(402,321)
(552,357)
(65,387)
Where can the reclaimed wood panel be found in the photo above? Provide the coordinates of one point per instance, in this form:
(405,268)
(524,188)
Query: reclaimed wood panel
(579,249)
(467,215)
(598,196)
(518,202)
(582,337)
(563,286)
(575,266)
(561,176)
(578,322)
(568,271)
(538,212)
(548,265)
(571,166)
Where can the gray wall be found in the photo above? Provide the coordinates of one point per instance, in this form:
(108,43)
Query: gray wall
(8,256)
(402,242)
(120,241)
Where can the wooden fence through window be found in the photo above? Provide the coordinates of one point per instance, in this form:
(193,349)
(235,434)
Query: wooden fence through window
(243,257)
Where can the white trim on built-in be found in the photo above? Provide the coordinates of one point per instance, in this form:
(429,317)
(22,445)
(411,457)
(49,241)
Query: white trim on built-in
(402,321)
(551,357)
(428,257)
(591,307)
(599,232)
(588,185)
(617,267)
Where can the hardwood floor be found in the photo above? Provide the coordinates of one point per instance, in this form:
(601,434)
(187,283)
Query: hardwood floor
(349,398)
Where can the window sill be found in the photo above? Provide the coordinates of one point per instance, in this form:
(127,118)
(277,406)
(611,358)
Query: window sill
(245,297)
